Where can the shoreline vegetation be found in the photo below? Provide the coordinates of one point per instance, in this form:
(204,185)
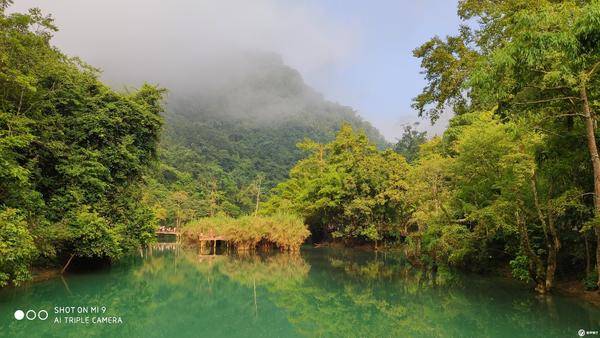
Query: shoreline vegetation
(285,231)
(514,181)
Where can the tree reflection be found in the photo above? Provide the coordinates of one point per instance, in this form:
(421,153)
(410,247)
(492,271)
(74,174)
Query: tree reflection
(171,290)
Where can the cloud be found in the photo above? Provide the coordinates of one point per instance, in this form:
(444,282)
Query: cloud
(182,41)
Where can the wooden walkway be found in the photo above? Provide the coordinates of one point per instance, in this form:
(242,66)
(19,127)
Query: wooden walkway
(212,238)
(201,237)
(167,233)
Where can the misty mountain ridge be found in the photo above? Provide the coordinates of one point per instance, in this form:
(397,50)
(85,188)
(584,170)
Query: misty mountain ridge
(247,124)
(263,92)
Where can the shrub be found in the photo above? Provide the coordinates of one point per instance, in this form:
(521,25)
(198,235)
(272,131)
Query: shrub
(93,236)
(519,268)
(17,249)
(285,231)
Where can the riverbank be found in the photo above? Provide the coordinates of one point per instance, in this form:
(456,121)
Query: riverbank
(576,289)
(43,274)
(572,289)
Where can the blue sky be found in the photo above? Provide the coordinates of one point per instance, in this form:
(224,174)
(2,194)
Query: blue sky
(382,77)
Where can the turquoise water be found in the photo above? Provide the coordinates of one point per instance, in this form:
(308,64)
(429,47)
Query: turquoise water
(175,292)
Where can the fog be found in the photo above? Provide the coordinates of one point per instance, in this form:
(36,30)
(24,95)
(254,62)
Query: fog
(184,43)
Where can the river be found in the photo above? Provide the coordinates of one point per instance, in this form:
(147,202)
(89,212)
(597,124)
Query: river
(170,291)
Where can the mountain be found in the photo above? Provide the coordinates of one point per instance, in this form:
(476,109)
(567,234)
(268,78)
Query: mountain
(228,137)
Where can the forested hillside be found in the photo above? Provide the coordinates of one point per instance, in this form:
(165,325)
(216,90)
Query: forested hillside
(72,154)
(224,142)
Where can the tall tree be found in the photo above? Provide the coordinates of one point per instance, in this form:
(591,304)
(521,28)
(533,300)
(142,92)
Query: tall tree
(408,144)
(534,59)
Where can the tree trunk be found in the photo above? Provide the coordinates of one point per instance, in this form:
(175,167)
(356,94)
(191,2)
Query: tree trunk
(593,148)
(536,269)
(67,265)
(553,247)
(538,208)
(552,240)
(257,196)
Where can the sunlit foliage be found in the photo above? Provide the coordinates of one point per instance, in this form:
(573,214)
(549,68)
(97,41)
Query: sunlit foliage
(72,152)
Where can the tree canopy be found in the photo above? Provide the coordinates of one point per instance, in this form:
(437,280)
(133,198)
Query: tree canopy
(72,152)
(534,64)
(347,188)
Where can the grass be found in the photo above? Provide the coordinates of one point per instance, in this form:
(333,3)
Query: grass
(285,231)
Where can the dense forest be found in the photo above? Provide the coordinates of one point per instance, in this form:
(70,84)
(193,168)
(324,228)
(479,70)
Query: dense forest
(72,153)
(512,183)
(528,177)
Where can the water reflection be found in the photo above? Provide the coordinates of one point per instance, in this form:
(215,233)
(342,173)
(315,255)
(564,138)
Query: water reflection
(169,290)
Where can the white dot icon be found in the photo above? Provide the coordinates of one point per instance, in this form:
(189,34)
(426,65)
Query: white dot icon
(19,314)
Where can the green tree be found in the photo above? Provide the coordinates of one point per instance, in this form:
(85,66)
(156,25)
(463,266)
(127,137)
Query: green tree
(537,60)
(490,194)
(68,142)
(408,144)
(347,188)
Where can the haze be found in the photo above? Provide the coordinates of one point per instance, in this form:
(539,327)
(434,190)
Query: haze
(354,52)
